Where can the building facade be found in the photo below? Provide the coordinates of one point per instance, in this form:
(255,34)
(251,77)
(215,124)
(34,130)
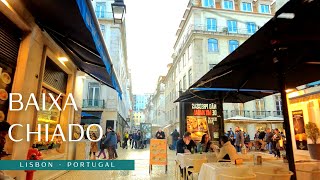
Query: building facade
(209,31)
(155,109)
(103,104)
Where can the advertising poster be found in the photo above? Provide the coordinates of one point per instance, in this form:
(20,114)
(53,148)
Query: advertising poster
(201,119)
(146,129)
(299,130)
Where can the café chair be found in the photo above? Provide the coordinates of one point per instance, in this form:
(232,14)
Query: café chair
(197,163)
(236,177)
(177,170)
(274,175)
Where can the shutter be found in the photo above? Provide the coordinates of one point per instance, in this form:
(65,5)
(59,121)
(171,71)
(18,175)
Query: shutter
(10,37)
(55,76)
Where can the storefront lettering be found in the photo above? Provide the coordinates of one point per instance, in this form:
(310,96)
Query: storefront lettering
(58,132)
(198,112)
(204,106)
(32,101)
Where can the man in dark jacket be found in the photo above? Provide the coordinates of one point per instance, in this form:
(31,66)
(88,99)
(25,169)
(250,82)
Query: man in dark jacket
(239,140)
(175,136)
(160,134)
(111,142)
(269,136)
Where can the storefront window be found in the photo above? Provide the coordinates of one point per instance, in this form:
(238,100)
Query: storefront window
(50,117)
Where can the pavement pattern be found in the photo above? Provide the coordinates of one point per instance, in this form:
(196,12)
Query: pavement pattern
(141,172)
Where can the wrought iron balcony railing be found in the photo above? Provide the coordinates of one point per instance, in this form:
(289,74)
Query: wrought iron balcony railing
(261,114)
(277,114)
(93,103)
(243,113)
(103,14)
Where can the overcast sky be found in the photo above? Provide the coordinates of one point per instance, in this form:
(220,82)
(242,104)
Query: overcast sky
(151,27)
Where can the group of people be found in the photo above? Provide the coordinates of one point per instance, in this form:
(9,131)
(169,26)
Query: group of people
(137,140)
(108,141)
(269,140)
(264,140)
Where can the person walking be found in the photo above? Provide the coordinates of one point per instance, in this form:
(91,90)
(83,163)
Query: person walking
(130,138)
(110,142)
(276,146)
(175,136)
(102,147)
(138,140)
(118,138)
(160,134)
(93,146)
(125,140)
(134,140)
(239,140)
(269,136)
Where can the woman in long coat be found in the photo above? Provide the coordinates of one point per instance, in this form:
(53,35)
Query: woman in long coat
(94,146)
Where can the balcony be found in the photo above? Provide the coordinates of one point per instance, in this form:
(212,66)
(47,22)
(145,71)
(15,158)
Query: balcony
(277,114)
(243,113)
(219,30)
(261,114)
(93,103)
(103,14)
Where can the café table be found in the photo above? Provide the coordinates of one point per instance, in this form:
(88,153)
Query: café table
(186,159)
(250,156)
(211,171)
(308,170)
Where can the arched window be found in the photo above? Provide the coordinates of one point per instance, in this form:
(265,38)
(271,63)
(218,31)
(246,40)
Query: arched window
(212,45)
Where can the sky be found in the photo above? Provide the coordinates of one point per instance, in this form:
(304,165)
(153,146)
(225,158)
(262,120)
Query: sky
(151,27)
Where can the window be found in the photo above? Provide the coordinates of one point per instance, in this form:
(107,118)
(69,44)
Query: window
(178,64)
(228,4)
(278,105)
(189,52)
(184,82)
(251,27)
(233,44)
(211,66)
(190,76)
(94,94)
(212,45)
(239,109)
(180,88)
(232,26)
(259,107)
(211,24)
(184,60)
(246,7)
(101,8)
(176,111)
(103,29)
(264,8)
(208,3)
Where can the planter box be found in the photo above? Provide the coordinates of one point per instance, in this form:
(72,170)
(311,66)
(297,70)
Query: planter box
(314,150)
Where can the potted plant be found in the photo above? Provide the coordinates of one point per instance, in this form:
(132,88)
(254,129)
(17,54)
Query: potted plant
(313,133)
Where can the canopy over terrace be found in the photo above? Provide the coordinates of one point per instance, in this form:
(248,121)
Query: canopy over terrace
(73,25)
(282,55)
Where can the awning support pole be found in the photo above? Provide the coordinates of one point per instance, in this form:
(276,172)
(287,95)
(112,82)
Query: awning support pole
(278,56)
(220,116)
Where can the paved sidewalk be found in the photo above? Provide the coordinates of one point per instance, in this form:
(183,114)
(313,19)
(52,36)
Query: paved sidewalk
(141,172)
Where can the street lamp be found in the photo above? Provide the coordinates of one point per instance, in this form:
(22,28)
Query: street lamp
(118,10)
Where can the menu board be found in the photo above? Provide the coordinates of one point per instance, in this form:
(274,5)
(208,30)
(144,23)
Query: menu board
(6,77)
(197,126)
(158,152)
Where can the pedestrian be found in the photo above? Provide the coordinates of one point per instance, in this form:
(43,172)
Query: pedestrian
(125,140)
(160,134)
(138,140)
(118,138)
(110,142)
(94,146)
(175,136)
(134,140)
(276,146)
(239,139)
(269,136)
(130,138)
(261,138)
(102,147)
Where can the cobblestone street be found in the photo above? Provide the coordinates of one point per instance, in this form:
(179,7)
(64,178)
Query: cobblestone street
(141,172)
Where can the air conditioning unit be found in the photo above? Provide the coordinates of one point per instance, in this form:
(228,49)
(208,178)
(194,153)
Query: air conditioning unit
(225,29)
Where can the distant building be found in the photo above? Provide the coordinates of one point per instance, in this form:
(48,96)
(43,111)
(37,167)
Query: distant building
(140,102)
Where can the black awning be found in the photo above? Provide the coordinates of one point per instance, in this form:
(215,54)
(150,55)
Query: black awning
(82,40)
(206,95)
(252,65)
